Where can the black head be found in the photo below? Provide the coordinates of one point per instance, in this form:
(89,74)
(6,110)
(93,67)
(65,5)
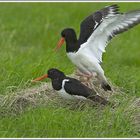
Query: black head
(55,74)
(69,34)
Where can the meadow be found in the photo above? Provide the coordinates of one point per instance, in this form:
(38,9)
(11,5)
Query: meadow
(28,35)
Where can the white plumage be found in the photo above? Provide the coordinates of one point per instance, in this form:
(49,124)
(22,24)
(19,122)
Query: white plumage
(89,56)
(96,31)
(65,95)
(99,38)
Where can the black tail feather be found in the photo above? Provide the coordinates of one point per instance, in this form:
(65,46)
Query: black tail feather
(99,99)
(106,86)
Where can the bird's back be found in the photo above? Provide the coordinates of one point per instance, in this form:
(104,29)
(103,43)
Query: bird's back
(75,87)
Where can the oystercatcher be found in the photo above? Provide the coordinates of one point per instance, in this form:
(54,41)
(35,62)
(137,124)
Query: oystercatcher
(70,88)
(96,31)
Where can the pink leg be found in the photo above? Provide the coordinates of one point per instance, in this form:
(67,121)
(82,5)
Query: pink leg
(79,73)
(85,78)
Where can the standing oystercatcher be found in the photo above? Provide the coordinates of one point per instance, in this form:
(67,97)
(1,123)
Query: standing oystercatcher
(96,31)
(71,88)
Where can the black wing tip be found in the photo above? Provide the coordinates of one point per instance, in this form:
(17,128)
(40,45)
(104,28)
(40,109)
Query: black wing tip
(98,99)
(106,87)
(115,8)
(110,10)
(114,5)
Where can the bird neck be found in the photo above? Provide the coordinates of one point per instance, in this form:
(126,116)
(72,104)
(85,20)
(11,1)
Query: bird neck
(57,83)
(72,46)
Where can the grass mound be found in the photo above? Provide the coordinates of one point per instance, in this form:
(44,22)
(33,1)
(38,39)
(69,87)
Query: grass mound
(42,95)
(40,112)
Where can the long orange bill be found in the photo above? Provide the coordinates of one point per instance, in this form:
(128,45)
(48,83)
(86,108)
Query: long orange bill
(60,43)
(40,78)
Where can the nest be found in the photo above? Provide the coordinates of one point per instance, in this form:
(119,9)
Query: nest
(43,93)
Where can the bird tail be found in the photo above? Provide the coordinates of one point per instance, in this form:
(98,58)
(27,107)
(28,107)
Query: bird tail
(99,99)
(104,83)
(105,86)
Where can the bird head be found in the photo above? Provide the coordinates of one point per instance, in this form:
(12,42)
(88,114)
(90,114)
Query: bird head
(68,35)
(52,74)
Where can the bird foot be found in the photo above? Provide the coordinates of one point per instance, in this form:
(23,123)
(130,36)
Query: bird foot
(88,84)
(85,78)
(80,74)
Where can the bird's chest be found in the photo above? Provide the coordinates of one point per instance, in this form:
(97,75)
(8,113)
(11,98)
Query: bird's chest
(83,61)
(65,95)
(59,86)
(62,92)
(56,84)
(75,58)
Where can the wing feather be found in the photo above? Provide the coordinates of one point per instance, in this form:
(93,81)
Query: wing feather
(91,23)
(75,87)
(110,26)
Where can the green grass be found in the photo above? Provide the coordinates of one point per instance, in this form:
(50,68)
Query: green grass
(28,34)
(62,122)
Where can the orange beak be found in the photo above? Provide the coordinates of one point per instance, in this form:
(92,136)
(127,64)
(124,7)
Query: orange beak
(40,78)
(60,43)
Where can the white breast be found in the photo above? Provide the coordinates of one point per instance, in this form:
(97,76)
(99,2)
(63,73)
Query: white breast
(85,61)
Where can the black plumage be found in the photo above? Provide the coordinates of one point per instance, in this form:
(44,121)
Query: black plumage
(73,86)
(88,25)
(96,31)
(92,22)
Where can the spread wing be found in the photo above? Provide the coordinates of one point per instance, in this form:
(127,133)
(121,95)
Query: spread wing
(90,23)
(112,24)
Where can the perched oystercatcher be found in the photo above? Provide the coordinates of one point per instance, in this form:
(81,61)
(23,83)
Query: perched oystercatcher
(96,31)
(71,88)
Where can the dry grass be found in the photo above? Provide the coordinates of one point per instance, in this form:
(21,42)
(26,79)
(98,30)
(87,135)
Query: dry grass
(42,94)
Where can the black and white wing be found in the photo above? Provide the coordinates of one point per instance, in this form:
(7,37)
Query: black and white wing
(90,23)
(111,24)
(75,87)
